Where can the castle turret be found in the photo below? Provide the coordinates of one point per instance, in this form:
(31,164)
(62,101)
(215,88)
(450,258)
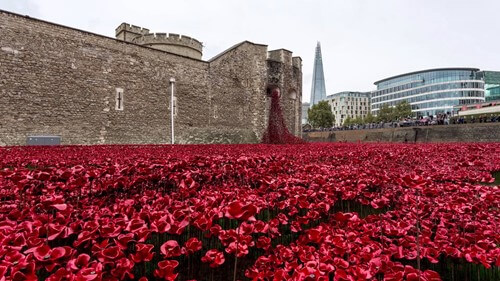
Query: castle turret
(297,62)
(280,55)
(173,43)
(127,32)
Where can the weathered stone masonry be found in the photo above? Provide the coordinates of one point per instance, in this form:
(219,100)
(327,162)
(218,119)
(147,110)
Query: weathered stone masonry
(56,80)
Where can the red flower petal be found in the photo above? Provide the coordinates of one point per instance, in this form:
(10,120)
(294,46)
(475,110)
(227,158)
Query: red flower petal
(171,249)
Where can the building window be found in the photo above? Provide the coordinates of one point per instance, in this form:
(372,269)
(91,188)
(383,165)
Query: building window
(119,99)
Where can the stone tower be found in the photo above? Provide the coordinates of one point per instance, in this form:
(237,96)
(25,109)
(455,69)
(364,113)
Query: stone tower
(318,90)
(173,43)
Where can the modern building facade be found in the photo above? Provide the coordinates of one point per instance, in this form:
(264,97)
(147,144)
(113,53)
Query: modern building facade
(318,89)
(349,104)
(491,85)
(430,92)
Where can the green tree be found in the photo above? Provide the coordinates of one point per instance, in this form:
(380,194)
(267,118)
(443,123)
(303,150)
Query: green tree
(398,112)
(402,110)
(347,121)
(385,114)
(357,121)
(320,115)
(369,118)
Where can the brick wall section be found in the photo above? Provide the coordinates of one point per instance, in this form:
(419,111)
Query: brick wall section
(482,132)
(56,80)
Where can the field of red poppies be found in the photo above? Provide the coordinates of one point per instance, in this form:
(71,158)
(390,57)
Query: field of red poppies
(261,212)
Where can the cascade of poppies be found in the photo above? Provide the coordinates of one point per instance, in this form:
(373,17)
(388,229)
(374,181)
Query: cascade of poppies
(277,132)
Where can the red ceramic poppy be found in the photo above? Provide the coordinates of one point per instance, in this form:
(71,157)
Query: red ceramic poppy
(214,257)
(78,263)
(192,245)
(142,253)
(237,210)
(171,249)
(166,269)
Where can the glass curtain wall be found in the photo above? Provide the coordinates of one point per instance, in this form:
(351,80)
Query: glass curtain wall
(430,92)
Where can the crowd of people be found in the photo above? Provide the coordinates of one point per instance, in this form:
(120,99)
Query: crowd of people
(479,119)
(439,119)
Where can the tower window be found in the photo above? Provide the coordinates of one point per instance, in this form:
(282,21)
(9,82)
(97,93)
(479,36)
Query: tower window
(119,99)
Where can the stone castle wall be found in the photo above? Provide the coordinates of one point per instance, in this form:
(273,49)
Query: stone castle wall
(479,132)
(56,80)
(288,77)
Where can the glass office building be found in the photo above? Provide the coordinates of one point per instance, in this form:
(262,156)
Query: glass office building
(430,92)
(491,84)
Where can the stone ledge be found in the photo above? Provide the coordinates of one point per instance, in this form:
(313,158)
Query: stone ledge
(478,132)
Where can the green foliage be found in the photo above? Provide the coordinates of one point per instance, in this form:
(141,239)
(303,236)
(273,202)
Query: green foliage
(354,121)
(358,121)
(369,118)
(400,111)
(348,121)
(320,115)
(385,114)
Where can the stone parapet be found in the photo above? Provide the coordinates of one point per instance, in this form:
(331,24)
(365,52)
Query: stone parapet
(478,132)
(169,39)
(170,42)
(128,32)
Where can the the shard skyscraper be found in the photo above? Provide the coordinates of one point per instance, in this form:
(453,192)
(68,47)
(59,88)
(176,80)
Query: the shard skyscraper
(318,90)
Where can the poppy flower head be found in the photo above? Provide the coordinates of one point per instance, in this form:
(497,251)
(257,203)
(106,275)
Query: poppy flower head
(236,210)
(192,245)
(166,269)
(171,249)
(214,257)
(142,253)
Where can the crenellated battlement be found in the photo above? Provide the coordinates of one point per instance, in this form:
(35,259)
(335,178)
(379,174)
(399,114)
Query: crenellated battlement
(128,32)
(170,42)
(297,62)
(169,39)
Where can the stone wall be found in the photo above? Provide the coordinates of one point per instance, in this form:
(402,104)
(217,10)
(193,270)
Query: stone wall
(284,71)
(238,77)
(56,80)
(482,132)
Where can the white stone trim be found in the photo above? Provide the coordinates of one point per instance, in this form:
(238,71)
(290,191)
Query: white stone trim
(434,100)
(429,93)
(464,98)
(424,86)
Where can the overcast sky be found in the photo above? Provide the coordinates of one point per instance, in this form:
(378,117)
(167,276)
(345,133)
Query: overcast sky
(362,40)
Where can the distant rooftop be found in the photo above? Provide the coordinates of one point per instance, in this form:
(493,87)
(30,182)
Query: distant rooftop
(347,93)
